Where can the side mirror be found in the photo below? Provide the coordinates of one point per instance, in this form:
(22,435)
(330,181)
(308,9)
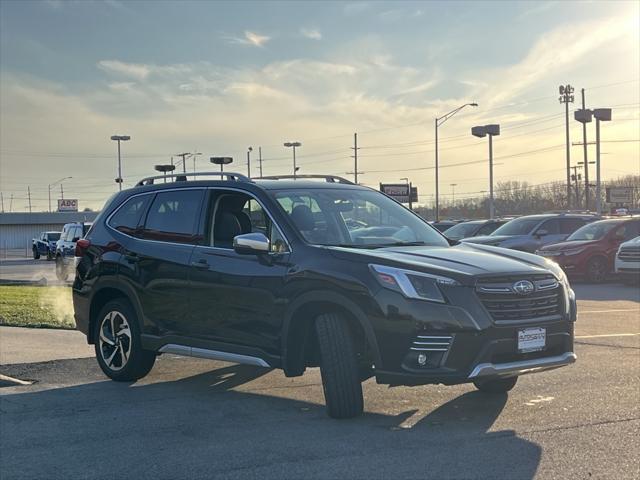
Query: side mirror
(75,239)
(251,244)
(542,232)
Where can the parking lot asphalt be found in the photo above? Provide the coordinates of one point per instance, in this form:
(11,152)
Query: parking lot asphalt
(29,270)
(193,418)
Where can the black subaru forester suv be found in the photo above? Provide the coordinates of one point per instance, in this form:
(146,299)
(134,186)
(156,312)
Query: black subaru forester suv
(290,274)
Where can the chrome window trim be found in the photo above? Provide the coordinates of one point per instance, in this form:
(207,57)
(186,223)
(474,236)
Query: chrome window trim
(154,192)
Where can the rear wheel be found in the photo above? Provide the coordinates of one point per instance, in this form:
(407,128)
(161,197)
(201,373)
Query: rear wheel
(117,342)
(597,270)
(498,385)
(339,367)
(36,254)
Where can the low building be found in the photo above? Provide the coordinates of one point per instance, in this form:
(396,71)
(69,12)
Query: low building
(18,229)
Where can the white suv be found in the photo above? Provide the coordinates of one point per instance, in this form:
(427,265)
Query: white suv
(628,259)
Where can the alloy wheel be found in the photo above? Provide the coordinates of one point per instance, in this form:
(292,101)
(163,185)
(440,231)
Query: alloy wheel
(115,340)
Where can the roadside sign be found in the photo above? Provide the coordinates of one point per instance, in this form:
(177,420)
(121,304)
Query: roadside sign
(68,205)
(619,194)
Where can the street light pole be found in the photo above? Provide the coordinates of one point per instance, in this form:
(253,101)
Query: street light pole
(249,150)
(439,121)
(118,138)
(602,115)
(566,97)
(480,132)
(293,145)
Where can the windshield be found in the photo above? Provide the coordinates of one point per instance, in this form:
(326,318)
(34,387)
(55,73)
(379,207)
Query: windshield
(462,230)
(593,231)
(354,218)
(517,226)
(53,237)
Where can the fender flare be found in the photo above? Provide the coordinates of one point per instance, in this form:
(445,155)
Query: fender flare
(326,296)
(126,290)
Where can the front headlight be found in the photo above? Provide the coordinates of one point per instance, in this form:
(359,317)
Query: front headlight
(411,284)
(573,251)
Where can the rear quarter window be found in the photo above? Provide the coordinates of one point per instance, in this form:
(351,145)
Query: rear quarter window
(128,218)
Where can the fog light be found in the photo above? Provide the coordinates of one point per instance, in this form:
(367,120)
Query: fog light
(422,359)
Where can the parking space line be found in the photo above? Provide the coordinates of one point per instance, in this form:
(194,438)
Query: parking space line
(609,335)
(582,312)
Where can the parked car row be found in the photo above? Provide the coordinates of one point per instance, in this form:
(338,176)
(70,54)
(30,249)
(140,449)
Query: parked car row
(584,245)
(60,246)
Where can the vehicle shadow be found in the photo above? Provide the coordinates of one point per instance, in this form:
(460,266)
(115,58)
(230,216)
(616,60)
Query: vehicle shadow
(219,424)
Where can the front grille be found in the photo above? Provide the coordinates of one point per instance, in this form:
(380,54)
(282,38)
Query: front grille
(505,305)
(629,254)
(431,343)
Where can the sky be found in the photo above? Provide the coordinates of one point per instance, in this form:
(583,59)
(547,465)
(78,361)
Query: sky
(219,77)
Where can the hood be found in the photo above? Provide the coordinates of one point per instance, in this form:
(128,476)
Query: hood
(558,247)
(462,262)
(634,242)
(490,239)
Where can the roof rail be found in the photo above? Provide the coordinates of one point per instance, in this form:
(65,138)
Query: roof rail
(238,177)
(327,178)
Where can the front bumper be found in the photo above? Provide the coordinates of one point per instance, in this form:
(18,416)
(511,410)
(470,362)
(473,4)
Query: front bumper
(512,369)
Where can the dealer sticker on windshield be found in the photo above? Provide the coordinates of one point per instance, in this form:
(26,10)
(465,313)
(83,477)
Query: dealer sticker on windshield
(532,339)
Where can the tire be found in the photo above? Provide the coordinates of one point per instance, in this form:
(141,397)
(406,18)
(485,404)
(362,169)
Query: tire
(597,270)
(498,385)
(36,254)
(121,356)
(339,367)
(61,271)
(49,255)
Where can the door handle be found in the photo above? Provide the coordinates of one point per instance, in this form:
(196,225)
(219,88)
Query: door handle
(202,263)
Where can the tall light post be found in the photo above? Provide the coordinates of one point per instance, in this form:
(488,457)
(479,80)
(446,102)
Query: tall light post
(118,138)
(439,121)
(53,185)
(249,150)
(222,161)
(602,115)
(293,145)
(408,191)
(481,132)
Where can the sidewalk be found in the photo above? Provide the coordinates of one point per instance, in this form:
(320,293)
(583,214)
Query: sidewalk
(30,345)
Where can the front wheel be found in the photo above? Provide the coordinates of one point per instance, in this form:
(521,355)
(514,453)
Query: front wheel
(49,255)
(498,385)
(339,367)
(117,343)
(36,254)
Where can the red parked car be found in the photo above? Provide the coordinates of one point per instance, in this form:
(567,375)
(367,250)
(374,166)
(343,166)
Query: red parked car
(590,251)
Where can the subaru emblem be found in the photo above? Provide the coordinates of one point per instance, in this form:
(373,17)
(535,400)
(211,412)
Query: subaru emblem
(523,287)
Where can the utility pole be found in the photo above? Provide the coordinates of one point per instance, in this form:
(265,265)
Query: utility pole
(355,158)
(566,97)
(453,193)
(2,201)
(11,203)
(586,161)
(260,160)
(29,195)
(61,192)
(184,161)
(249,150)
(576,177)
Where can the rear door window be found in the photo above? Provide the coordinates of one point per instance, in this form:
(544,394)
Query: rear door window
(551,226)
(570,225)
(174,217)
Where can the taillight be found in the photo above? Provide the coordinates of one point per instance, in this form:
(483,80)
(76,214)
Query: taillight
(81,247)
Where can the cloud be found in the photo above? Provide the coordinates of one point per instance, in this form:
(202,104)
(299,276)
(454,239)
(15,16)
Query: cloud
(250,38)
(132,70)
(311,33)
